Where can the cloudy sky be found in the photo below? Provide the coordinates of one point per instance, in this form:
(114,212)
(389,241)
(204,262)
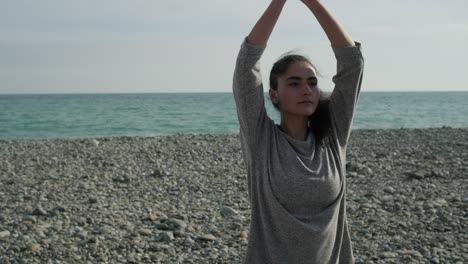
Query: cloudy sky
(141,46)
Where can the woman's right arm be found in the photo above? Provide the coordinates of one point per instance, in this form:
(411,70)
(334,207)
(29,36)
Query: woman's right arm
(247,83)
(262,30)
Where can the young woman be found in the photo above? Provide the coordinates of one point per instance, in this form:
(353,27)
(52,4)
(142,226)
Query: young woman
(296,170)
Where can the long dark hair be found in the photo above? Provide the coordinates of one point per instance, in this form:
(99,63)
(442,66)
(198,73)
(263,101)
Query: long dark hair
(319,121)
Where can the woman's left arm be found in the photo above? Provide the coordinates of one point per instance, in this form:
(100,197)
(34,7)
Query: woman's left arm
(334,31)
(348,78)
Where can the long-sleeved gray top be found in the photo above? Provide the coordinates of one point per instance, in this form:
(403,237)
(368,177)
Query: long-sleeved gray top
(296,188)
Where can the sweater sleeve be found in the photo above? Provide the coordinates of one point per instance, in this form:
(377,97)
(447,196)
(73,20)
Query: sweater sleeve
(344,98)
(248,90)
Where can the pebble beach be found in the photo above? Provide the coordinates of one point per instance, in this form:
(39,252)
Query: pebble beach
(184,198)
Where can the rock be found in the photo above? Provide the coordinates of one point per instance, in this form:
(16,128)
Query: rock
(162,226)
(464,198)
(83,234)
(121,179)
(244,234)
(188,241)
(415,175)
(207,237)
(365,171)
(60,208)
(34,247)
(144,232)
(440,202)
(152,217)
(4,235)
(39,211)
(159,173)
(92,200)
(175,224)
(388,255)
(166,236)
(413,253)
(227,211)
(455,198)
(389,190)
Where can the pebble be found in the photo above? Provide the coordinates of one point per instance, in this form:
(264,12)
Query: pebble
(464,198)
(244,234)
(388,255)
(144,232)
(176,224)
(389,190)
(39,211)
(413,253)
(34,247)
(167,236)
(227,211)
(92,200)
(4,235)
(415,175)
(207,237)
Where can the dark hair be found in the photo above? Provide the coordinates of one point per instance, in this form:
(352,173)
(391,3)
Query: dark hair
(319,121)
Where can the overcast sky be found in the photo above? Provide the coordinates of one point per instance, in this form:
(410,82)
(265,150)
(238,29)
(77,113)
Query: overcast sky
(141,46)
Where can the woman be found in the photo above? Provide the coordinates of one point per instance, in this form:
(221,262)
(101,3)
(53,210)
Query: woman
(296,170)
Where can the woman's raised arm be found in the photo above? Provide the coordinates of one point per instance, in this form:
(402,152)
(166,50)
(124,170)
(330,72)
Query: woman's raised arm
(348,78)
(262,30)
(335,32)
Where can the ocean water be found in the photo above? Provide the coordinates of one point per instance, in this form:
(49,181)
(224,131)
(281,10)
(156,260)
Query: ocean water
(98,115)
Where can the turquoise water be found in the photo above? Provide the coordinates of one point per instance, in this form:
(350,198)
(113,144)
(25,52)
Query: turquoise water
(98,115)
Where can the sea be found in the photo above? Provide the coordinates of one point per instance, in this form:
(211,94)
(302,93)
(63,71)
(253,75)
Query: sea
(52,116)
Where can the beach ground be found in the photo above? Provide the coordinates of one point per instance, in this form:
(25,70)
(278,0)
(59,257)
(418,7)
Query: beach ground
(184,198)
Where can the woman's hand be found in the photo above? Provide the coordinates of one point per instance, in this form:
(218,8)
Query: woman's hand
(262,30)
(334,31)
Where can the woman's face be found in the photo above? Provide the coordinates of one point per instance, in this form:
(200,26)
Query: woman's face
(297,92)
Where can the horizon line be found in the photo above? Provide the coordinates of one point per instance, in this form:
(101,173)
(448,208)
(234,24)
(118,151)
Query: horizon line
(104,93)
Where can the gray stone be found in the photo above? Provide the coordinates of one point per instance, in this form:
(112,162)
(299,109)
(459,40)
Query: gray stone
(176,224)
(34,247)
(389,190)
(415,175)
(4,235)
(188,241)
(144,232)
(365,171)
(413,253)
(227,211)
(464,197)
(39,211)
(166,236)
(388,255)
(207,237)
(83,234)
(92,200)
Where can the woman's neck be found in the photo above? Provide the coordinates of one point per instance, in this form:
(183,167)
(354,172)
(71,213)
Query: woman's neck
(295,126)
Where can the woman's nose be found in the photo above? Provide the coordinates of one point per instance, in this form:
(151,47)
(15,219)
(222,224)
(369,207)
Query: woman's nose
(307,89)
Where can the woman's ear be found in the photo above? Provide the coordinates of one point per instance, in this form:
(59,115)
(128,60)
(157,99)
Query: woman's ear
(273,96)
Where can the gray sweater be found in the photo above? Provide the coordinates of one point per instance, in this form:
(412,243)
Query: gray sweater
(296,188)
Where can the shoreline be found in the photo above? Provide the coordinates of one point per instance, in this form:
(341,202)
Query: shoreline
(184,197)
(211,134)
